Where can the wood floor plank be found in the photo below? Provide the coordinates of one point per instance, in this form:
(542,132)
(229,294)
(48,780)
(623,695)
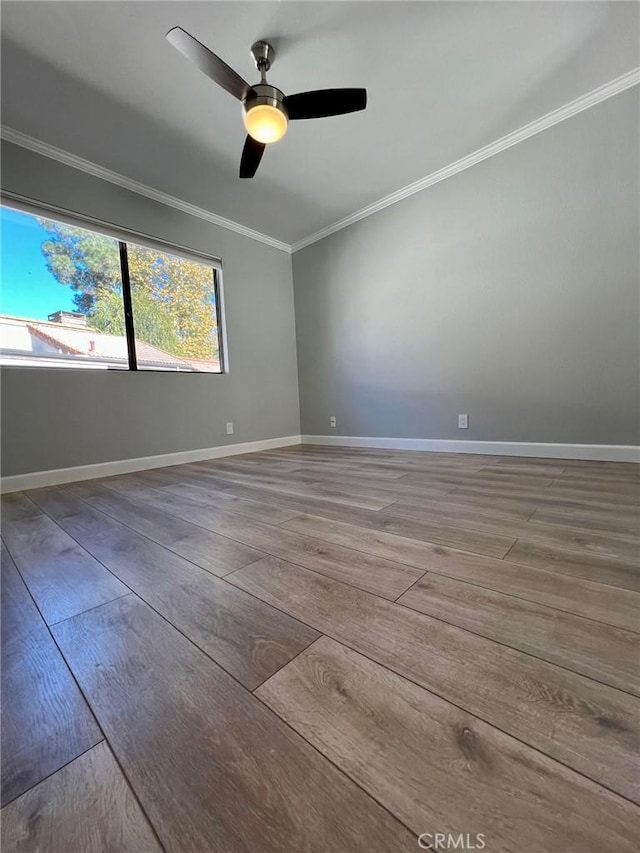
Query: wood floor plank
(488,544)
(383,577)
(320,491)
(394,457)
(345,482)
(504,499)
(324,466)
(625,546)
(610,655)
(595,510)
(461,515)
(556,498)
(427,760)
(589,726)
(622,468)
(593,480)
(490,518)
(134,486)
(45,721)
(17,506)
(246,781)
(392,468)
(210,551)
(344,470)
(255,462)
(481,478)
(553,469)
(61,576)
(595,601)
(620,524)
(85,807)
(248,638)
(194,503)
(298,476)
(479,500)
(595,470)
(386,490)
(413,552)
(284,502)
(267,513)
(607,570)
(619,492)
(624,492)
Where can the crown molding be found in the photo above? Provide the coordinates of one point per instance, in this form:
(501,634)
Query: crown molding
(614,87)
(68,159)
(608,90)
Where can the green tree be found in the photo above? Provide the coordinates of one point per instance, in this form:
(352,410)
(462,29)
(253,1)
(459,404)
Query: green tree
(86,262)
(152,323)
(167,292)
(186,290)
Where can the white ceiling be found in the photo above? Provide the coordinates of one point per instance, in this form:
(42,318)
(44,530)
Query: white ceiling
(99,80)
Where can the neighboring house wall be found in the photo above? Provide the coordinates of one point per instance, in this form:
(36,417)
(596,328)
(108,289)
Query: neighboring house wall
(61,418)
(39,347)
(16,335)
(509,292)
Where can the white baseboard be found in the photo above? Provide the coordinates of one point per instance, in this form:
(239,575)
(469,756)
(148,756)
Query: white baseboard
(58,476)
(595,452)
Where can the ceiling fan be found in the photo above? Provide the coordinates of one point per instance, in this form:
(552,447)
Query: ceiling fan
(267,110)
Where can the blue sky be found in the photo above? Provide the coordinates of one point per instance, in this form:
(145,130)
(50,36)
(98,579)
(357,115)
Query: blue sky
(28,289)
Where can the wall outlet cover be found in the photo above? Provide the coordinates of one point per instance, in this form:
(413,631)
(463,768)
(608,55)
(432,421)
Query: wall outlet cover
(463,421)
(229,428)
(333,421)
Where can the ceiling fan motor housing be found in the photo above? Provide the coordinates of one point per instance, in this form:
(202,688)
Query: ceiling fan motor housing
(265,94)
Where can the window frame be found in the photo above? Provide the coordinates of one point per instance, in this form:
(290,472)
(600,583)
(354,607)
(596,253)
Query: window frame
(23,204)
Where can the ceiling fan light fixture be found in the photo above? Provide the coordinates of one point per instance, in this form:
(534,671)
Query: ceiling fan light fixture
(266,122)
(267,110)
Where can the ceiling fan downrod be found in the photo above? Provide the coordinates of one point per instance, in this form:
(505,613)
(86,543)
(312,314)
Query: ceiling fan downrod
(263,55)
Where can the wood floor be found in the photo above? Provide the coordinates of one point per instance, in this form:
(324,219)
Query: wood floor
(316,650)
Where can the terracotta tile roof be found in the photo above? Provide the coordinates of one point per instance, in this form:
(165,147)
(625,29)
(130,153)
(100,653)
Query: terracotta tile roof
(73,339)
(49,339)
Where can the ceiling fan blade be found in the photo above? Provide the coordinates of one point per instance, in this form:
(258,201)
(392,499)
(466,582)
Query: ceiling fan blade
(251,156)
(208,63)
(325,102)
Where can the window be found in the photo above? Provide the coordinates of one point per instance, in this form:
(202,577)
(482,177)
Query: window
(74,297)
(174,309)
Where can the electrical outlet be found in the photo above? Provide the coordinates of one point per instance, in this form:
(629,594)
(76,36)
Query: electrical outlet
(229,428)
(332,421)
(463,421)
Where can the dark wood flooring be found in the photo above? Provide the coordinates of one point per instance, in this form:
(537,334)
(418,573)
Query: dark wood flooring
(316,650)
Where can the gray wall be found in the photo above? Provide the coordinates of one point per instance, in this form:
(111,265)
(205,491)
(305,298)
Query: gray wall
(509,292)
(60,418)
